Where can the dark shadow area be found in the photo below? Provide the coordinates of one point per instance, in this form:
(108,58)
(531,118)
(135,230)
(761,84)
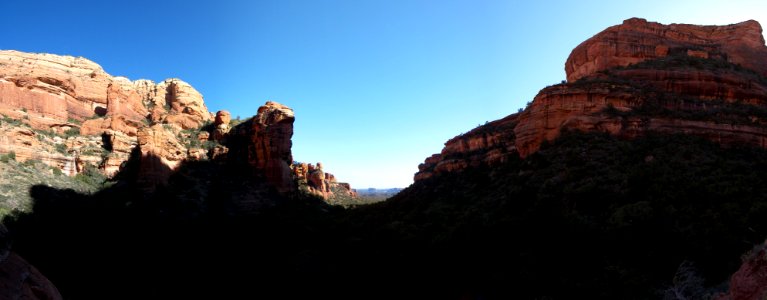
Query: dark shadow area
(188,238)
(589,216)
(100,111)
(107,142)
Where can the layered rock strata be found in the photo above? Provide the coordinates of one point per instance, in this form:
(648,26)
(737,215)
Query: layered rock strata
(73,101)
(631,79)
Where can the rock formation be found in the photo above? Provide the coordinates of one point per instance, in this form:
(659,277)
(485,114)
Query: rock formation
(264,142)
(272,130)
(63,95)
(637,40)
(631,79)
(221,124)
(69,113)
(490,143)
(161,153)
(321,183)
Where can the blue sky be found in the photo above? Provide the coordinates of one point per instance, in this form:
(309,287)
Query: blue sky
(377,86)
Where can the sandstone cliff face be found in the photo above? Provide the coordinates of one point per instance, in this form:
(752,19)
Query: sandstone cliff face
(637,40)
(75,100)
(221,124)
(489,143)
(631,79)
(272,131)
(161,153)
(264,143)
(69,113)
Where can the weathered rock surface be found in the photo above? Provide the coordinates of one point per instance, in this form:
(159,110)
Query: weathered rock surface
(161,153)
(264,142)
(53,93)
(637,40)
(321,183)
(490,143)
(631,79)
(221,124)
(69,113)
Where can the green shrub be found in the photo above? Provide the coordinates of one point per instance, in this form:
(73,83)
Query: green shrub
(92,151)
(91,176)
(74,131)
(11,156)
(48,133)
(57,171)
(31,162)
(61,148)
(207,145)
(10,121)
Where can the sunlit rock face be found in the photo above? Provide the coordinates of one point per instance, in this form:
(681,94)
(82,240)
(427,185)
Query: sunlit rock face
(321,183)
(637,40)
(634,78)
(89,109)
(221,125)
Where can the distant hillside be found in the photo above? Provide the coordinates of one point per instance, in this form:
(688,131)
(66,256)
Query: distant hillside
(370,192)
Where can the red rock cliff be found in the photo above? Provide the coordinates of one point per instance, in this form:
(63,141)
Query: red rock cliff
(321,183)
(264,142)
(64,100)
(637,40)
(633,78)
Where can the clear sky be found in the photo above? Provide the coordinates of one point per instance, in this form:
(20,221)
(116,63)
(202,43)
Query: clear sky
(377,86)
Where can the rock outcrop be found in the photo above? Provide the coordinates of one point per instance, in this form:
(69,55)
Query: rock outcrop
(74,98)
(272,130)
(637,40)
(161,153)
(221,125)
(487,144)
(631,79)
(264,143)
(69,113)
(320,183)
